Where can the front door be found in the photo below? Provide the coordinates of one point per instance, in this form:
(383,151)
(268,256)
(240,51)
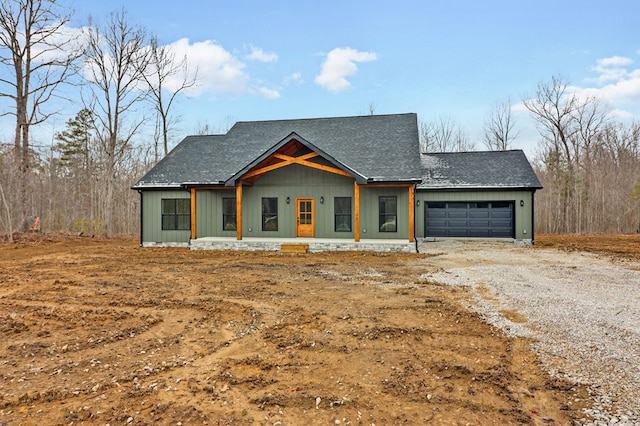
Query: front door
(305,227)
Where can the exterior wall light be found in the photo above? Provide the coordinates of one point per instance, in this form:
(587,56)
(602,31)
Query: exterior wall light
(418,203)
(521,203)
(321,200)
(288,200)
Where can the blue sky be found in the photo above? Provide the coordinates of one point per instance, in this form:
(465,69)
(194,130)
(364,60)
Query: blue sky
(280,59)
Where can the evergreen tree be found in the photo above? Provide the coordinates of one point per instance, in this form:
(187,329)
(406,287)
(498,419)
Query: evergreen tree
(74,143)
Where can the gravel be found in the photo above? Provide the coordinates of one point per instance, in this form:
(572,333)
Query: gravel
(582,312)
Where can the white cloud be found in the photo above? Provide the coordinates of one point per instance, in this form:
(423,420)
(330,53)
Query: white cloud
(339,64)
(218,70)
(611,69)
(617,86)
(64,42)
(265,92)
(519,107)
(621,115)
(257,54)
(616,83)
(615,61)
(295,78)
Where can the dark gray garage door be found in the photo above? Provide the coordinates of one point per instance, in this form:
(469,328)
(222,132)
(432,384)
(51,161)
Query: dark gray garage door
(492,219)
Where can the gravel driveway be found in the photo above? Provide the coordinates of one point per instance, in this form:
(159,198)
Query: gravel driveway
(581,309)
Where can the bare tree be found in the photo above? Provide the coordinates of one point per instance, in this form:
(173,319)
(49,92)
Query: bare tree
(553,108)
(568,125)
(39,58)
(443,135)
(116,59)
(163,67)
(499,132)
(7,210)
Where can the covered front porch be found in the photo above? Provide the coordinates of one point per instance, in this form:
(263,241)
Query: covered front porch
(301,245)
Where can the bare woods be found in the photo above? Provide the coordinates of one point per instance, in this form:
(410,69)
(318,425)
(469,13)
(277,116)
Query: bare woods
(112,73)
(588,163)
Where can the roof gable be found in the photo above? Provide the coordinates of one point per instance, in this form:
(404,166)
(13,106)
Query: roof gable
(292,150)
(478,169)
(375,148)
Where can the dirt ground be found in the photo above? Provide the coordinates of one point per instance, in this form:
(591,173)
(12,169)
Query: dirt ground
(102,331)
(618,247)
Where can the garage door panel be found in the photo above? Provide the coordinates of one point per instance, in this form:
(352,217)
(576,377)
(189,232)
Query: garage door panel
(462,224)
(469,219)
(435,224)
(439,231)
(457,214)
(479,213)
(479,224)
(454,232)
(501,214)
(437,213)
(478,233)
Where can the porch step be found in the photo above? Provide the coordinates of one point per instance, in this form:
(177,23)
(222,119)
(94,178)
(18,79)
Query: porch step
(294,248)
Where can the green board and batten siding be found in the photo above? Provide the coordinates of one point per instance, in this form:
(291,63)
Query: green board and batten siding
(302,182)
(278,184)
(294,182)
(369,212)
(152,217)
(289,182)
(523,215)
(209,213)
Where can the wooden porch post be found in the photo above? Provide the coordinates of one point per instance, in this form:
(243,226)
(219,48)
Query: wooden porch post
(194,219)
(239,211)
(356,197)
(412,213)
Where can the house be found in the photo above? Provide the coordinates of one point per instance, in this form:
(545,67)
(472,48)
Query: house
(344,183)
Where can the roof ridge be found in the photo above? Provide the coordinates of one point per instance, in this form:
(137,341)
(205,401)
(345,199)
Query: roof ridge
(471,152)
(288,120)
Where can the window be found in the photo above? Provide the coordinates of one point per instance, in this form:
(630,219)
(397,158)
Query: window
(388,214)
(501,204)
(436,205)
(342,214)
(269,214)
(229,214)
(458,205)
(176,214)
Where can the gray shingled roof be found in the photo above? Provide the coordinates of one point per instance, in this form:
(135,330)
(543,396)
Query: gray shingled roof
(374,148)
(478,170)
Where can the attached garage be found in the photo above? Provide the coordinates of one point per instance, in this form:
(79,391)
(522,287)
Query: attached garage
(484,219)
(486,194)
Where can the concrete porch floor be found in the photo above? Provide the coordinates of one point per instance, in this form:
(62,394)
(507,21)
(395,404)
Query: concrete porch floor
(314,244)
